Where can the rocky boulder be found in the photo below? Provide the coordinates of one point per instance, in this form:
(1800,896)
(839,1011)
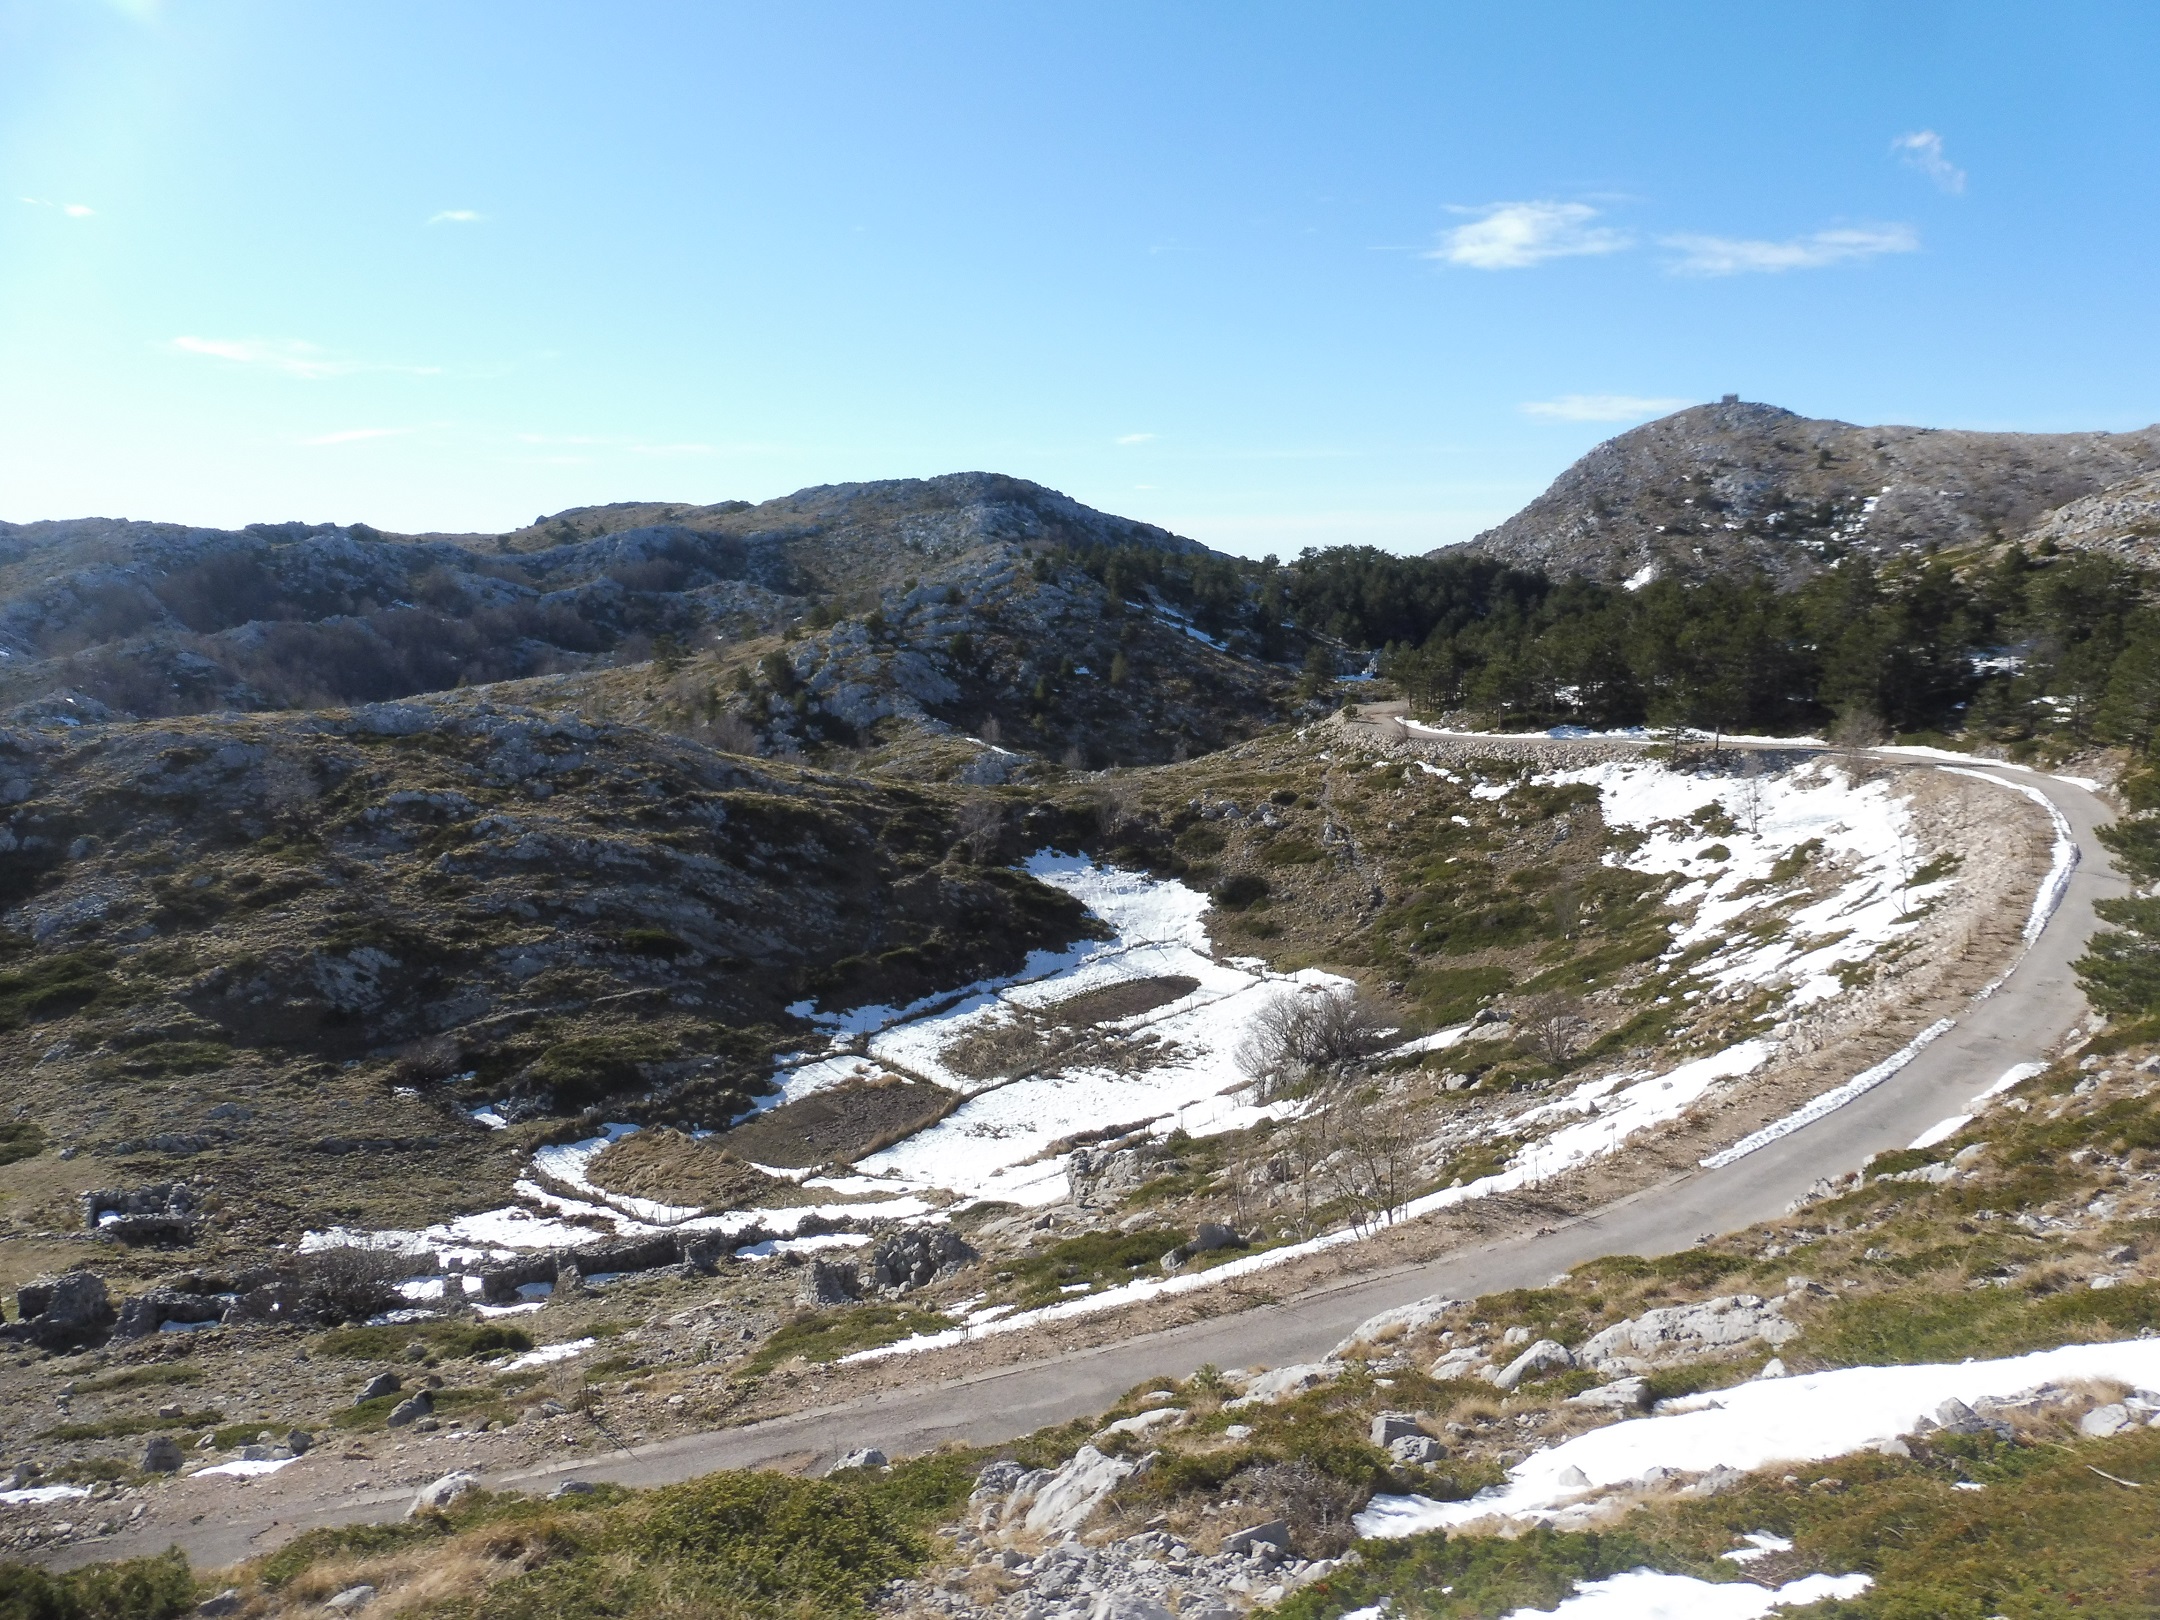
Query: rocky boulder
(1542,1359)
(1206,1239)
(436,1497)
(1062,1504)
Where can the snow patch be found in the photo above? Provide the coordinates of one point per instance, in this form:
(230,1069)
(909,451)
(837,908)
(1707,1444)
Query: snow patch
(1809,1417)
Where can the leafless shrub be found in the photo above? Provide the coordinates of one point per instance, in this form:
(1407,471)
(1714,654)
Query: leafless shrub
(1551,1024)
(428,1062)
(348,1283)
(979,827)
(1373,1162)
(1316,1506)
(1304,1036)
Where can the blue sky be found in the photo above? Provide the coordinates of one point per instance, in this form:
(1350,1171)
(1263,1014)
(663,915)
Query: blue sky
(1271,275)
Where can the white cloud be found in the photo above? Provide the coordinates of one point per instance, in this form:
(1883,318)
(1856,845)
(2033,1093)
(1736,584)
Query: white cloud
(355,435)
(1516,235)
(292,357)
(456,216)
(1134,438)
(1602,407)
(72,210)
(1732,255)
(1923,150)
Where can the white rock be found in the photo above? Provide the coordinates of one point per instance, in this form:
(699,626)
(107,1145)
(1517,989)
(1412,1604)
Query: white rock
(1146,1424)
(434,1498)
(2103,1421)
(1622,1395)
(1683,1330)
(1547,1355)
(1284,1382)
(1402,1320)
(1063,1504)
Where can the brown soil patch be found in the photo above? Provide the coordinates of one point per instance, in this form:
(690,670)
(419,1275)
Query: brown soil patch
(672,1168)
(842,1125)
(1128,999)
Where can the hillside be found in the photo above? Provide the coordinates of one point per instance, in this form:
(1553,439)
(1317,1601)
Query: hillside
(1716,488)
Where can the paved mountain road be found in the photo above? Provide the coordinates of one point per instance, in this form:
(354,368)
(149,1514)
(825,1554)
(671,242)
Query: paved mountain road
(2027,1019)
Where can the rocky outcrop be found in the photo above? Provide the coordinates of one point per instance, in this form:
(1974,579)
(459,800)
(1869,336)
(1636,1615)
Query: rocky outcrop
(1739,486)
(1678,1332)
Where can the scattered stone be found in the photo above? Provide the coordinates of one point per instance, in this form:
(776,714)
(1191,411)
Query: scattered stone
(164,1212)
(1461,1362)
(1206,1239)
(571,1487)
(352,1598)
(299,1442)
(162,1455)
(1062,1503)
(1718,1481)
(144,1314)
(380,1385)
(862,1457)
(411,1411)
(225,1602)
(1146,1425)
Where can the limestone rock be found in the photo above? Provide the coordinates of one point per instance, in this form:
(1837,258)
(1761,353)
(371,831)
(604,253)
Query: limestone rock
(1545,1356)
(1680,1331)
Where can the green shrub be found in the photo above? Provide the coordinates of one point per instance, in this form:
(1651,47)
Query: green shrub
(20,1139)
(47,985)
(156,1588)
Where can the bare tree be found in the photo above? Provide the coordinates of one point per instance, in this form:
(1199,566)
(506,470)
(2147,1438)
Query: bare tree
(979,827)
(1374,1157)
(1751,799)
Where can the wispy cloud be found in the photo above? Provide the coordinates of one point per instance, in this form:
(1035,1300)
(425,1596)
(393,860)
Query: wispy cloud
(1734,255)
(1516,235)
(1134,438)
(1602,407)
(356,435)
(1923,150)
(72,210)
(456,216)
(290,356)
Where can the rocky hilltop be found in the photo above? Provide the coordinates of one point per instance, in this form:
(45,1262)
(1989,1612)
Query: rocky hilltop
(141,620)
(1744,486)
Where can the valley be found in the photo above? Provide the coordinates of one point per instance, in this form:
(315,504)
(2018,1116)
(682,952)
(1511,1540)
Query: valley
(914,982)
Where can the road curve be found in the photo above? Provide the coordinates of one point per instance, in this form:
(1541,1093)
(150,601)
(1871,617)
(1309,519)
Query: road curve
(2026,1020)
